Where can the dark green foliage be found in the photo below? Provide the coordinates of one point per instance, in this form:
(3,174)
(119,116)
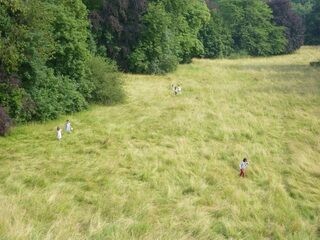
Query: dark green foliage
(116,25)
(251,27)
(107,81)
(93,4)
(170,36)
(187,19)
(155,52)
(294,28)
(70,33)
(5,122)
(313,25)
(14,98)
(302,7)
(216,37)
(44,44)
(53,94)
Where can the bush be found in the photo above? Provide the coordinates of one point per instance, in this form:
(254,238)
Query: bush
(54,95)
(107,81)
(5,122)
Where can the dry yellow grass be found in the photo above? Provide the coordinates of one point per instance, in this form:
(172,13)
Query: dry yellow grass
(166,167)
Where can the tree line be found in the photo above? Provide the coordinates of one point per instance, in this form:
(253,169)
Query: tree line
(57,56)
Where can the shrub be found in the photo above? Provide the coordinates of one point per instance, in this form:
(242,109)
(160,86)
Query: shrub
(54,95)
(107,81)
(5,122)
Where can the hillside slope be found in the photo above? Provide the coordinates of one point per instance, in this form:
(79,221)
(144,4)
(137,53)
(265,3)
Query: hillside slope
(166,167)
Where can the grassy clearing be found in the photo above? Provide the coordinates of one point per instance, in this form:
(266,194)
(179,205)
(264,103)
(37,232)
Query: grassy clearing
(165,167)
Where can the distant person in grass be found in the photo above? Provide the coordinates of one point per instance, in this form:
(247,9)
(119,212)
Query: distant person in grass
(68,127)
(173,87)
(243,166)
(176,89)
(59,133)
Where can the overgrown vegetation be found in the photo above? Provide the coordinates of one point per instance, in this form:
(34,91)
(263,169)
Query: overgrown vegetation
(106,80)
(44,55)
(166,167)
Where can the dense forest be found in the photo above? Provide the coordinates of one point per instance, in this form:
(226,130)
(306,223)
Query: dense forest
(58,56)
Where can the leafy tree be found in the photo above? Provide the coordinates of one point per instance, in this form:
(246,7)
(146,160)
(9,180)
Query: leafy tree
(170,35)
(44,55)
(250,23)
(313,25)
(116,25)
(188,18)
(216,37)
(156,51)
(294,28)
(54,55)
(302,7)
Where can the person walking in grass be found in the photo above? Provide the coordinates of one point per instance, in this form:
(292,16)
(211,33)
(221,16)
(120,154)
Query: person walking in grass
(68,127)
(243,166)
(59,133)
(176,89)
(179,89)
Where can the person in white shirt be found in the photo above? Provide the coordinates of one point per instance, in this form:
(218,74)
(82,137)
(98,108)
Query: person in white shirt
(68,127)
(179,89)
(59,133)
(243,166)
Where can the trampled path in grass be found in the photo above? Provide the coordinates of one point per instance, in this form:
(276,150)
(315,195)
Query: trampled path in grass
(166,167)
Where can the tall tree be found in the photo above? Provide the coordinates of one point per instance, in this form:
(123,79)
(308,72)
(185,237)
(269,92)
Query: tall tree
(252,29)
(157,48)
(170,35)
(313,25)
(117,25)
(216,37)
(284,15)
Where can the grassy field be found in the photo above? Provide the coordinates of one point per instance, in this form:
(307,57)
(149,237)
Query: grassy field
(166,167)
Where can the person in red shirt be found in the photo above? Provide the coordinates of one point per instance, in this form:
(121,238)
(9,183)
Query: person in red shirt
(243,166)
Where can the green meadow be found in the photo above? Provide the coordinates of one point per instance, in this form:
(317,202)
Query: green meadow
(161,166)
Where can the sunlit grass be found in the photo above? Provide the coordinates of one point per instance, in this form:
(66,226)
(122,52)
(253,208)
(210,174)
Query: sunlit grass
(166,167)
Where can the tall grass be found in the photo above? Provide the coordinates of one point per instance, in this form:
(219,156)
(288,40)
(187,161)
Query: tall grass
(166,167)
